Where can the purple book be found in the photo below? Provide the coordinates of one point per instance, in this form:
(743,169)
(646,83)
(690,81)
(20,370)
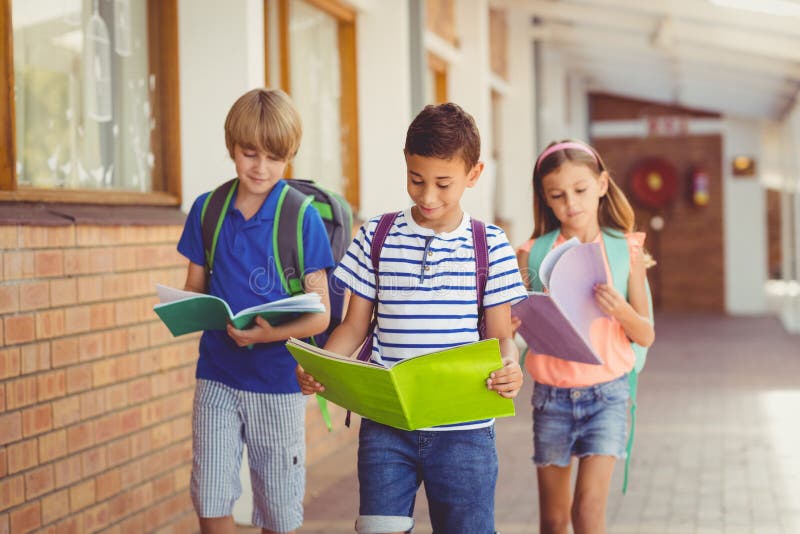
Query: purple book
(559,323)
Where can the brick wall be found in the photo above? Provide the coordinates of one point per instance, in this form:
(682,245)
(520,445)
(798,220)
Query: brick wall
(690,272)
(95,394)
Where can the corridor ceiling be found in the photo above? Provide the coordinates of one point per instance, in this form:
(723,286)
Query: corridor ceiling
(703,54)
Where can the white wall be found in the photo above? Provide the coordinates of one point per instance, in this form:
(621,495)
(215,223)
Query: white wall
(221,56)
(744,222)
(518,132)
(384,105)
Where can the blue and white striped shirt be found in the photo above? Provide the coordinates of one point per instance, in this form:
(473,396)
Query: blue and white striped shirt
(427,300)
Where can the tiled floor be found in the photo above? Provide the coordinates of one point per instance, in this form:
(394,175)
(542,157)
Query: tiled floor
(717,442)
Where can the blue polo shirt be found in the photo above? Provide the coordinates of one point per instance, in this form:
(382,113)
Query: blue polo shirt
(245,275)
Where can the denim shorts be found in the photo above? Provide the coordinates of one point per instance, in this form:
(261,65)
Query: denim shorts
(579,422)
(458,468)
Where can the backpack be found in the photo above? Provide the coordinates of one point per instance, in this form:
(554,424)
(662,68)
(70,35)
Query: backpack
(481,247)
(287,240)
(619,261)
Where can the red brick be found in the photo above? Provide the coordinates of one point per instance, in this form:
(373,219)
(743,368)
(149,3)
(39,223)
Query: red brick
(47,236)
(130,474)
(163,486)
(48,263)
(118,452)
(63,292)
(37,420)
(104,372)
(116,342)
(108,427)
(141,443)
(135,525)
(160,435)
(39,481)
(71,525)
(128,366)
(139,390)
(64,351)
(35,357)
(52,385)
(107,484)
(55,506)
(21,392)
(67,471)
(90,289)
(2,397)
(4,526)
(27,518)
(12,491)
(10,427)
(18,265)
(117,396)
(90,347)
(3,463)
(66,411)
(137,337)
(50,324)
(93,461)
(81,495)
(80,437)
(52,446)
(19,329)
(9,237)
(131,420)
(102,316)
(76,319)
(101,260)
(22,455)
(9,362)
(93,403)
(96,518)
(34,295)
(9,298)
(79,378)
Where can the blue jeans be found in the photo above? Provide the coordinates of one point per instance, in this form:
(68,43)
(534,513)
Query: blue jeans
(458,468)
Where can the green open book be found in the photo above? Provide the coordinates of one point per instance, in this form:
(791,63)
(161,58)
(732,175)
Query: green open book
(433,389)
(187,311)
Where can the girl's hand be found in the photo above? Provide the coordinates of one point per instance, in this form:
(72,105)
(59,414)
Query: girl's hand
(261,332)
(507,380)
(308,385)
(611,301)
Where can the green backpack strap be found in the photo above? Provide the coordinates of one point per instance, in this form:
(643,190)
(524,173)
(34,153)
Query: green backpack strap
(619,261)
(287,238)
(541,246)
(214,209)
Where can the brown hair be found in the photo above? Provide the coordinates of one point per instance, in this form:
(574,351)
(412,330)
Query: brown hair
(614,211)
(265,119)
(444,131)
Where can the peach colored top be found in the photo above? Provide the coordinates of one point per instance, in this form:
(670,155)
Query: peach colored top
(607,336)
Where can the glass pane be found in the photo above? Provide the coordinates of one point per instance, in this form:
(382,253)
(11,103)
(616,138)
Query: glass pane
(316,90)
(82,94)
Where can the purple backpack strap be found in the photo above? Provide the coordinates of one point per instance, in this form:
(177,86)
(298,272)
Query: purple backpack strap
(481,269)
(378,239)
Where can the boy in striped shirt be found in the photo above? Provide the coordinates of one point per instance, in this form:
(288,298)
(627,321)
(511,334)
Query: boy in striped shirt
(426,300)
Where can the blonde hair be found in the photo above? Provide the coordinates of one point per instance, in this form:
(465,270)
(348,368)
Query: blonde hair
(614,210)
(265,119)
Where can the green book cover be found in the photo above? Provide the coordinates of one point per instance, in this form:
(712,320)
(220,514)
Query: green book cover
(438,388)
(187,311)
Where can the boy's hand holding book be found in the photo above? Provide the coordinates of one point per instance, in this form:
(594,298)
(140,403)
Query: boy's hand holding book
(507,380)
(260,332)
(308,385)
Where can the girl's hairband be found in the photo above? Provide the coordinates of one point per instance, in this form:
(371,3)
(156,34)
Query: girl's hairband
(563,146)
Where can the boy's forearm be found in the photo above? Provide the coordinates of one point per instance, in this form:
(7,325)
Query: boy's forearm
(508,349)
(346,338)
(307,325)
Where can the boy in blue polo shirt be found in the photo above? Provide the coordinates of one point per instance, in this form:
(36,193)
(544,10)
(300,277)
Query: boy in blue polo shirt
(251,395)
(426,299)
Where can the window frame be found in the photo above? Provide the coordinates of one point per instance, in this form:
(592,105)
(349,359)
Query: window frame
(162,55)
(348,107)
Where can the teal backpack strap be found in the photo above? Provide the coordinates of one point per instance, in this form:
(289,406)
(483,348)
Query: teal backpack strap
(619,261)
(541,246)
(214,209)
(287,238)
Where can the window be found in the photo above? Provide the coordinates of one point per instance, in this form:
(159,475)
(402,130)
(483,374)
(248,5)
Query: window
(314,43)
(436,86)
(92,114)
